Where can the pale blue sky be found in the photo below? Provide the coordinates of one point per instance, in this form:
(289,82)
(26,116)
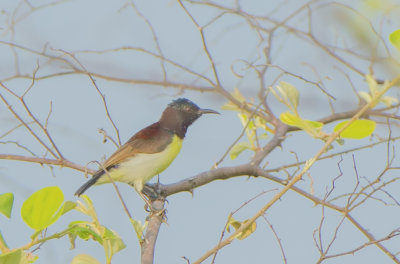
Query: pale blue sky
(194,223)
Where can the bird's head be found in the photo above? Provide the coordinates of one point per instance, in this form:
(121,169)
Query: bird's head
(181,113)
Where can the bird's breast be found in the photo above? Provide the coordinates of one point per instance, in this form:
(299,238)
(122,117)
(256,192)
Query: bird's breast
(140,168)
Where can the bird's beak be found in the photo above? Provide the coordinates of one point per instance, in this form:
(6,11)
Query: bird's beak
(208,111)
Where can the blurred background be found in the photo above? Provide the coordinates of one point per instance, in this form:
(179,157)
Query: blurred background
(143,54)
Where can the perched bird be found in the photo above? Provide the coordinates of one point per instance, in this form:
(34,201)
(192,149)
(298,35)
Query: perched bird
(151,150)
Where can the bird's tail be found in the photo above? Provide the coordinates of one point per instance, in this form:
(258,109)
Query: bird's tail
(89,183)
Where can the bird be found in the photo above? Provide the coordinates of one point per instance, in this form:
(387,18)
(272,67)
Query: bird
(151,150)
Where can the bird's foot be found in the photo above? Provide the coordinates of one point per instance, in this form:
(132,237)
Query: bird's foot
(148,207)
(151,191)
(157,210)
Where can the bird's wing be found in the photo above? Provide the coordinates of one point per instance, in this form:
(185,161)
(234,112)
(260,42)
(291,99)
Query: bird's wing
(151,139)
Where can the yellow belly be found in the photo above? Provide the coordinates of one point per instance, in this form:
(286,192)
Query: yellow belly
(143,167)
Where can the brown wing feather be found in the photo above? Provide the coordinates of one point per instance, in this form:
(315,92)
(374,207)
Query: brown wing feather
(151,139)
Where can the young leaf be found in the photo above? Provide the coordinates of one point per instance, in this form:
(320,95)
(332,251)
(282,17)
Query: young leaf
(43,207)
(372,84)
(238,148)
(288,95)
(340,141)
(232,222)
(289,92)
(243,119)
(68,206)
(84,259)
(237,224)
(313,128)
(389,101)
(6,203)
(357,130)
(291,119)
(394,38)
(84,230)
(366,96)
(374,89)
(93,230)
(139,229)
(259,122)
(90,230)
(229,106)
(86,207)
(238,96)
(248,231)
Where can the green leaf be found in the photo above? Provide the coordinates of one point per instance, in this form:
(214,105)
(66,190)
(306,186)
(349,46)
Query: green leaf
(114,241)
(43,208)
(17,257)
(238,148)
(89,230)
(357,130)
(84,259)
(313,128)
(14,257)
(68,206)
(291,119)
(394,38)
(6,203)
(84,230)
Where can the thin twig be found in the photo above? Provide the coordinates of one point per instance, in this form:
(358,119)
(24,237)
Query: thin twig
(103,98)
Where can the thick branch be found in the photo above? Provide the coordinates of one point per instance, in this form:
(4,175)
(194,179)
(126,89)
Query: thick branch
(153,227)
(281,130)
(187,185)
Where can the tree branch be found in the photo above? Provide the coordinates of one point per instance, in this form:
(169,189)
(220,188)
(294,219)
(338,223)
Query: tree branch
(153,227)
(42,161)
